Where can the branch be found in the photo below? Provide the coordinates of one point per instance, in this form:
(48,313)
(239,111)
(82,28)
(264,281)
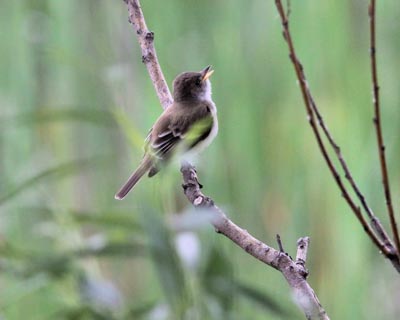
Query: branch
(294,272)
(313,112)
(301,256)
(149,56)
(378,128)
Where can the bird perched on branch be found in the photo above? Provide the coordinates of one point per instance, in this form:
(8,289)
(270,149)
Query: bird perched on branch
(189,124)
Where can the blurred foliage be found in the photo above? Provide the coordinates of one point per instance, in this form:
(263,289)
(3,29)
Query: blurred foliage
(76,104)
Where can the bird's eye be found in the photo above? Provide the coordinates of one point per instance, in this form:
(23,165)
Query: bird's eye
(198,82)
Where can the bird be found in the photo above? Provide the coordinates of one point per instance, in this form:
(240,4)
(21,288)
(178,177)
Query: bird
(188,125)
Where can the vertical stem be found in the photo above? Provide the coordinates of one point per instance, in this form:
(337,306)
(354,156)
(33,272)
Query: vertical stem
(378,127)
(149,56)
(310,109)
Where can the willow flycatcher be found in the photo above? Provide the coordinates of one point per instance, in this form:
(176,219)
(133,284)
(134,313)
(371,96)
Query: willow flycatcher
(190,123)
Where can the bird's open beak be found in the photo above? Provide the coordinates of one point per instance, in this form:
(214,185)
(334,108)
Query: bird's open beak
(206,73)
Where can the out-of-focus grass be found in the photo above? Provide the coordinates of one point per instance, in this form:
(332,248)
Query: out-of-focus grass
(72,86)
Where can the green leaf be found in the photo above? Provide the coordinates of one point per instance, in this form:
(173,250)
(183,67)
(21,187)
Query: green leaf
(167,264)
(108,218)
(139,311)
(261,298)
(27,263)
(217,276)
(54,114)
(124,249)
(218,280)
(129,129)
(54,265)
(59,171)
(83,312)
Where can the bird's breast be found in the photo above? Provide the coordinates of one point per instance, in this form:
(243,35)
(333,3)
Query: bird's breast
(209,135)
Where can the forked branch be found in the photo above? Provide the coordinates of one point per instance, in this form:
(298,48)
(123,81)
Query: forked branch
(294,271)
(374,230)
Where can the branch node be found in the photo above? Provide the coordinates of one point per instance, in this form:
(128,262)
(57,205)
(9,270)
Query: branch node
(248,247)
(147,58)
(149,36)
(185,186)
(198,201)
(370,11)
(372,50)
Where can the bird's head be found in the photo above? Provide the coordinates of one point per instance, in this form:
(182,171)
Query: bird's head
(193,85)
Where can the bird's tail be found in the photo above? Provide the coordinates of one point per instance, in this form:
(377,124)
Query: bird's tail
(144,166)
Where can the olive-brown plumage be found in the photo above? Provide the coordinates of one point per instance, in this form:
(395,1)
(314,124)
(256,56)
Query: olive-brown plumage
(190,123)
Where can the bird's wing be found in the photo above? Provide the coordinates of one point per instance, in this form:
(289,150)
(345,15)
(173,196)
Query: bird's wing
(165,141)
(192,128)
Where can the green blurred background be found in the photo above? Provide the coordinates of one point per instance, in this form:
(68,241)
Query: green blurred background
(76,103)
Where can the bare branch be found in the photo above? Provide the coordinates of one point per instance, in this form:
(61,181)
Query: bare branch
(280,245)
(301,256)
(293,273)
(302,248)
(312,111)
(149,56)
(378,128)
(376,224)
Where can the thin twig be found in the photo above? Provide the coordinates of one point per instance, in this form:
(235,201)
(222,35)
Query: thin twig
(280,245)
(376,224)
(293,273)
(311,109)
(149,56)
(378,127)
